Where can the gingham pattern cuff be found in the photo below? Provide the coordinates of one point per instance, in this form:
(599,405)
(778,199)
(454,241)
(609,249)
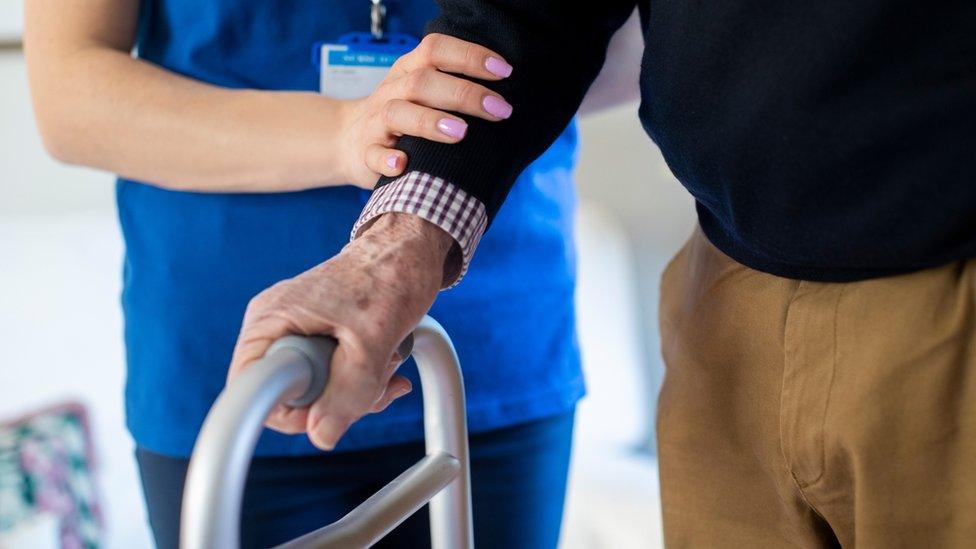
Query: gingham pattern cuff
(463,216)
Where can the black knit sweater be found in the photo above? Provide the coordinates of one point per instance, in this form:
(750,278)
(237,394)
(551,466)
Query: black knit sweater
(830,140)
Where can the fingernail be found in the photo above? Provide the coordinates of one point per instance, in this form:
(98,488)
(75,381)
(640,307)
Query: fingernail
(498,67)
(391,161)
(496,106)
(451,127)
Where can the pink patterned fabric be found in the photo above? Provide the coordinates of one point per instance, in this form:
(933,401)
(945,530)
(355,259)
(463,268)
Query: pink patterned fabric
(462,216)
(46,466)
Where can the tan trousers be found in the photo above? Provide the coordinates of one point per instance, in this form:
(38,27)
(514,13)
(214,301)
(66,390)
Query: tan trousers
(801,414)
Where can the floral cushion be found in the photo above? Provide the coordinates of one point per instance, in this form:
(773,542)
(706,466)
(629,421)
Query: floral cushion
(46,467)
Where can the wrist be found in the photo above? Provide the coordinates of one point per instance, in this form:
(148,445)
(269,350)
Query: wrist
(313,146)
(347,160)
(425,247)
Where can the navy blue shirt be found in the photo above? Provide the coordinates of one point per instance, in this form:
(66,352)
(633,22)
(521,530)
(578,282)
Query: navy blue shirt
(194,260)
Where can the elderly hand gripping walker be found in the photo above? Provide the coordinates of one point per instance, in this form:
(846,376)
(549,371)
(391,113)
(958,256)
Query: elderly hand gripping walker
(295,371)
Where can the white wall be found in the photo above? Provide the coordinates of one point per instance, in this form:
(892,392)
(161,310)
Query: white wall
(31,181)
(622,172)
(634,217)
(11,25)
(60,326)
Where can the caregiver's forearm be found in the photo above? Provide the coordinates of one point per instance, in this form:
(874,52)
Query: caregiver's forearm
(98,106)
(102,108)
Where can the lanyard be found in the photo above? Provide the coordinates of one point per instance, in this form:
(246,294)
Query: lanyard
(377,18)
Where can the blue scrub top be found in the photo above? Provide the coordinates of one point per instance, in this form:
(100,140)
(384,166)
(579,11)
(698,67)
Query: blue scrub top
(194,260)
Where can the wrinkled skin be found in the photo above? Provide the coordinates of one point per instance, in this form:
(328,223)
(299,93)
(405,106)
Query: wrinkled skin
(369,297)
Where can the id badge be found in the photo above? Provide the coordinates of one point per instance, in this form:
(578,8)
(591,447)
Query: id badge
(355,65)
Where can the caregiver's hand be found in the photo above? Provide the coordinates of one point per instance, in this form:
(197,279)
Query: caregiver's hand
(368,297)
(412,100)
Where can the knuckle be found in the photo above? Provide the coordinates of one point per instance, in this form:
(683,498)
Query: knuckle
(416,84)
(403,61)
(272,296)
(424,119)
(388,113)
(258,303)
(471,54)
(430,46)
(465,94)
(276,301)
(385,89)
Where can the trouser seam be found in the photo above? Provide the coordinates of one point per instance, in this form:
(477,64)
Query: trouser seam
(830,390)
(784,441)
(826,405)
(806,499)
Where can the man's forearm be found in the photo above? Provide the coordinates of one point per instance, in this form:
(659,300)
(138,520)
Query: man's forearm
(437,203)
(556,49)
(408,245)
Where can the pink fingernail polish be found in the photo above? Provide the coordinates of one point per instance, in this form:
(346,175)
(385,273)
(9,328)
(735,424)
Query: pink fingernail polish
(498,67)
(391,161)
(451,127)
(496,106)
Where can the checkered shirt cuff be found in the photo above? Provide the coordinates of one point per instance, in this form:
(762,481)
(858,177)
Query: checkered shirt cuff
(463,216)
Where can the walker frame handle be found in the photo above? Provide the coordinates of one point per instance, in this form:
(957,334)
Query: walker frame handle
(295,371)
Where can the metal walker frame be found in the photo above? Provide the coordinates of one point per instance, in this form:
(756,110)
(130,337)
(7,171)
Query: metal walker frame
(295,371)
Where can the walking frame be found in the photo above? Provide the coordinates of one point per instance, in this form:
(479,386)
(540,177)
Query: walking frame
(295,371)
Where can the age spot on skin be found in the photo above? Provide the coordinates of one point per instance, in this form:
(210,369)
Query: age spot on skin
(363,303)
